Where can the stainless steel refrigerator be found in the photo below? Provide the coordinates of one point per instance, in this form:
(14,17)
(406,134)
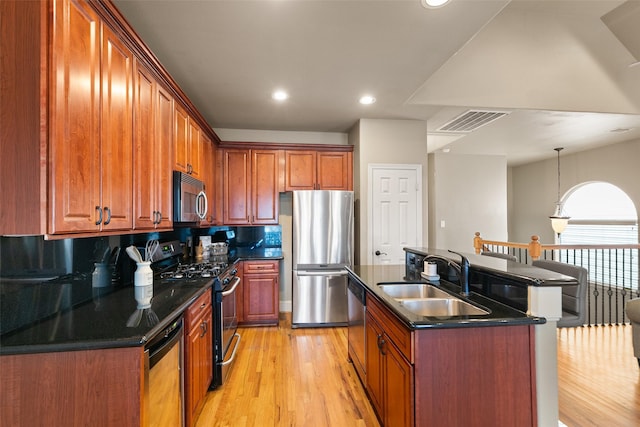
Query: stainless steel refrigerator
(322,247)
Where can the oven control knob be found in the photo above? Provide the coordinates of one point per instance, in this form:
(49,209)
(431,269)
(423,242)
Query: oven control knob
(226,281)
(234,271)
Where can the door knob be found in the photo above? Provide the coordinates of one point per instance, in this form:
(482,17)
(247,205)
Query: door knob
(378,253)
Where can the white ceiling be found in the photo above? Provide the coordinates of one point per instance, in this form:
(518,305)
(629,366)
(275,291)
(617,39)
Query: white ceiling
(566,78)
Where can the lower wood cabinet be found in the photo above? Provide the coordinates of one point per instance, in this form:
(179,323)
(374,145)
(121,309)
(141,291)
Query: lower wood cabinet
(389,374)
(73,388)
(198,355)
(462,376)
(260,293)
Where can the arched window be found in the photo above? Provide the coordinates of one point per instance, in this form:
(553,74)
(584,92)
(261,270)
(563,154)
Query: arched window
(603,214)
(600,213)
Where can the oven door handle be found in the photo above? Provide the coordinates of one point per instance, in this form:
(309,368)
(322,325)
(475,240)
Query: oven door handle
(233,288)
(233,353)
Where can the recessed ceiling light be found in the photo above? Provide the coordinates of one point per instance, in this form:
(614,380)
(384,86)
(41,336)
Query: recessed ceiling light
(279,95)
(432,4)
(367,100)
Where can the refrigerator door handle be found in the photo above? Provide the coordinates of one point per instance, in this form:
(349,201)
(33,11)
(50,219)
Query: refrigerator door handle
(328,273)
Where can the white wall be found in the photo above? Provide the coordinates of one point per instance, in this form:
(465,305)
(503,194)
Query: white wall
(389,142)
(468,193)
(535,186)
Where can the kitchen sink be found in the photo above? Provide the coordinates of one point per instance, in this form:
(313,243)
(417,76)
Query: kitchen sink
(413,290)
(441,307)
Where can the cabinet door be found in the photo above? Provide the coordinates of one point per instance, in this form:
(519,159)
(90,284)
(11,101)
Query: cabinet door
(163,159)
(300,170)
(237,187)
(207,168)
(264,188)
(374,362)
(398,381)
(181,139)
(335,170)
(116,145)
(260,298)
(74,163)
(144,149)
(194,150)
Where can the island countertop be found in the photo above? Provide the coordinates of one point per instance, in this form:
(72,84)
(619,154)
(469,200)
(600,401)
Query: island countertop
(524,273)
(370,276)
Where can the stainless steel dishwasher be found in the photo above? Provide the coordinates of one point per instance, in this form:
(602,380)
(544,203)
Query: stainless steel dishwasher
(164,389)
(356,327)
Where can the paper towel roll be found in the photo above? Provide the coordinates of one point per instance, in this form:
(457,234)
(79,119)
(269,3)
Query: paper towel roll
(431,268)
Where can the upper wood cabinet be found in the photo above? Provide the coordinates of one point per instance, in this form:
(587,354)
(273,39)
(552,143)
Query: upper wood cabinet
(318,170)
(250,186)
(208,174)
(153,138)
(91,124)
(67,112)
(187,145)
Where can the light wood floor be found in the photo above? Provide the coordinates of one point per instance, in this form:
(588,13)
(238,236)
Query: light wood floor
(290,377)
(598,377)
(301,377)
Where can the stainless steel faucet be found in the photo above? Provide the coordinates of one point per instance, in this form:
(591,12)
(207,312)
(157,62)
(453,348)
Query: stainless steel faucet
(464,274)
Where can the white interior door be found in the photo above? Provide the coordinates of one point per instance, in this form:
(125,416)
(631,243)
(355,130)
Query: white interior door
(395,211)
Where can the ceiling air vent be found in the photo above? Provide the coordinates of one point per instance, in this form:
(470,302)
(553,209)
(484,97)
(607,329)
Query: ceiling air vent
(470,121)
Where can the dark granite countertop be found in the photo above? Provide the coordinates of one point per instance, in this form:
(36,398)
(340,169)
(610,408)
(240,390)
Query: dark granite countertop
(91,318)
(75,316)
(516,271)
(500,314)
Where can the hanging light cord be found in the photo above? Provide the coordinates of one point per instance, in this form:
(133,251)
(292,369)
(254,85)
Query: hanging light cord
(558,199)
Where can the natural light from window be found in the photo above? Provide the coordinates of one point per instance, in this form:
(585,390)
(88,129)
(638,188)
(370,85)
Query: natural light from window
(602,214)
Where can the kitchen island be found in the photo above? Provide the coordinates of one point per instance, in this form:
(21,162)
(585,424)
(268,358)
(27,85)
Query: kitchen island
(477,369)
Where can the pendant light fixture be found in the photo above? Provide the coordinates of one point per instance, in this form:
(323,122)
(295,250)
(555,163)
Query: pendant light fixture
(559,221)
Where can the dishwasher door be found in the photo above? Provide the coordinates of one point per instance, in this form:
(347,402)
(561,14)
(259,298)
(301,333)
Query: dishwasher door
(164,388)
(319,298)
(357,328)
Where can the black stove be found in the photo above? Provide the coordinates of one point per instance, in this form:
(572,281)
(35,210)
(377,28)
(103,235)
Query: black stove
(168,266)
(169,271)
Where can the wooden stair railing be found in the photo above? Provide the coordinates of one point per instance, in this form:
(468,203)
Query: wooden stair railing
(534,248)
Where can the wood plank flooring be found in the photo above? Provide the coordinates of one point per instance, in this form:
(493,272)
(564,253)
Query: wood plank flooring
(598,377)
(301,377)
(290,377)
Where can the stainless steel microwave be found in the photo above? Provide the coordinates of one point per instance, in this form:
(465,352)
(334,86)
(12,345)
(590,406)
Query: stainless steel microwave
(189,198)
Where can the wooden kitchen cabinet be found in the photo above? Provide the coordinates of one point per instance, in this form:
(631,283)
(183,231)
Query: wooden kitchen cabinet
(91,157)
(260,294)
(250,186)
(198,355)
(153,137)
(389,373)
(448,376)
(187,143)
(208,173)
(318,170)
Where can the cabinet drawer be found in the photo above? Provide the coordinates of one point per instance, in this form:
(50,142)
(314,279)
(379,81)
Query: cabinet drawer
(401,336)
(253,267)
(196,310)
